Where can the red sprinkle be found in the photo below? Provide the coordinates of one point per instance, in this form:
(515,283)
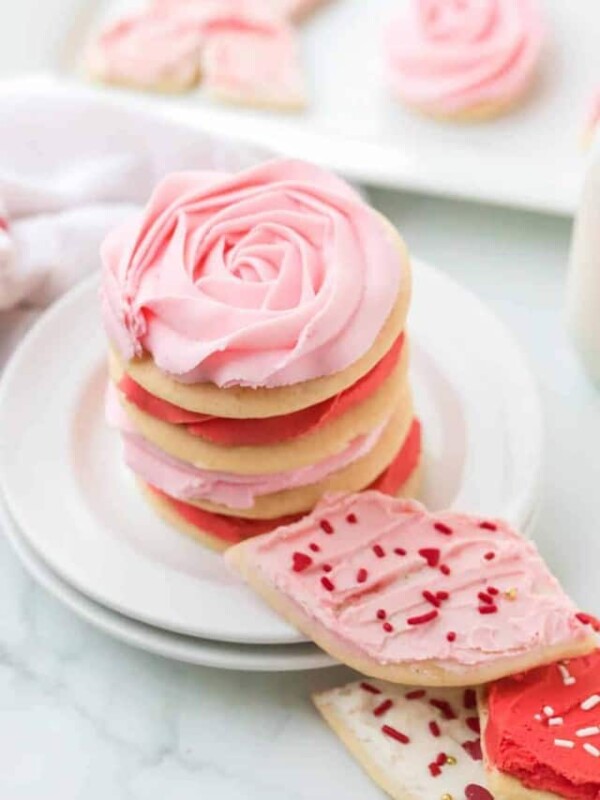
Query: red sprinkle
(444,707)
(492,590)
(378,550)
(382,708)
(362,575)
(300,562)
(473,724)
(470,698)
(416,694)
(588,619)
(442,528)
(445,569)
(488,526)
(485,597)
(368,687)
(393,733)
(451,636)
(490,556)
(435,770)
(423,618)
(388,627)
(326,526)
(431,556)
(327,584)
(476,792)
(314,547)
(441,759)
(431,598)
(327,567)
(435,729)
(381,613)
(473,748)
(442,595)
(400,551)
(488,609)
(352,519)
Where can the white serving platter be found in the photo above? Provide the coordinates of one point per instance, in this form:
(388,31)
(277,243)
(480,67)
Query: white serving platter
(530,158)
(64,483)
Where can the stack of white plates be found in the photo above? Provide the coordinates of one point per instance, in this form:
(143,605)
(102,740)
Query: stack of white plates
(79,525)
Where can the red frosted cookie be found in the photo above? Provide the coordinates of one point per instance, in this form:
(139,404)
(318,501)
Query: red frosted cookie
(413,597)
(542,732)
(416,744)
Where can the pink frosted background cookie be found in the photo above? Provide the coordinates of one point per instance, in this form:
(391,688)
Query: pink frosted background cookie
(464,59)
(245,52)
(413,597)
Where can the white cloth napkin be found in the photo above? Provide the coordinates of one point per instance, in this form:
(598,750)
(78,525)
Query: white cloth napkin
(72,165)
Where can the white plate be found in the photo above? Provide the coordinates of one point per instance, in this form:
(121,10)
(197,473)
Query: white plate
(64,482)
(221,655)
(530,158)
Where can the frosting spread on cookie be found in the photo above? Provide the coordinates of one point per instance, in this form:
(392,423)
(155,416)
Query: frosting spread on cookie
(257,67)
(186,482)
(426,741)
(544,728)
(267,430)
(268,277)
(405,585)
(451,55)
(162,46)
(236,529)
(148,49)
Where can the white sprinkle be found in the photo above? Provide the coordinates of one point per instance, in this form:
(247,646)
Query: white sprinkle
(593,731)
(538,717)
(564,743)
(556,721)
(591,702)
(548,711)
(593,751)
(566,676)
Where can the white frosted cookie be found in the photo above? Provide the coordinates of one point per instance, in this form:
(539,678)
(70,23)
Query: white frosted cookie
(416,744)
(440,599)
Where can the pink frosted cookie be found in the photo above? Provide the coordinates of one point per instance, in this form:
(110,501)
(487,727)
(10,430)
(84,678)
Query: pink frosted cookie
(413,597)
(148,50)
(464,59)
(244,52)
(256,67)
(542,732)
(416,744)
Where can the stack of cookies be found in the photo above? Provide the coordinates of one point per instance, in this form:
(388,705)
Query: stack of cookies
(257,350)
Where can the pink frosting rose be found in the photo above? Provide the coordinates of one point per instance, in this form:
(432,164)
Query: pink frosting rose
(268,277)
(448,55)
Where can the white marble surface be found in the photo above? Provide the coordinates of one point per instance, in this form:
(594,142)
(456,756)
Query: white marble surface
(82,716)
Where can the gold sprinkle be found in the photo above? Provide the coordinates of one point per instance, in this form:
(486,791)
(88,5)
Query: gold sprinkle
(511,594)
(450,760)
(446,797)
